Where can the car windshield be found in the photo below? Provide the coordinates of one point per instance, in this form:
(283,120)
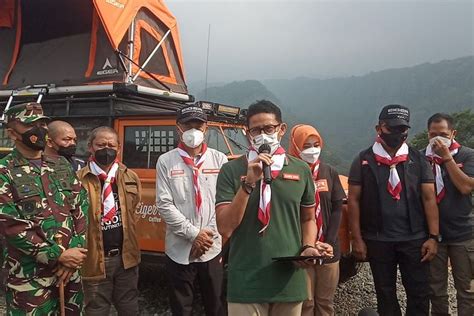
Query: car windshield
(237,140)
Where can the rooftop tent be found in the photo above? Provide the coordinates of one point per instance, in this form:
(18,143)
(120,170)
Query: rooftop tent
(89,42)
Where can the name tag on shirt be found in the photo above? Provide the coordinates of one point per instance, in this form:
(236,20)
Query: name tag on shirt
(291,176)
(177,173)
(210,171)
(322,185)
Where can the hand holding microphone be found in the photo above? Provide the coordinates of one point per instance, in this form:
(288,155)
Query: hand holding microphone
(257,166)
(267,172)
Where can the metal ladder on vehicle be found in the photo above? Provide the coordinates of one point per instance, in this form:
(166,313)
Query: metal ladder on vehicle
(31,90)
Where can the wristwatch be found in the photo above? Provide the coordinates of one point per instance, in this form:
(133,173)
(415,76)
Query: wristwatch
(438,238)
(247,187)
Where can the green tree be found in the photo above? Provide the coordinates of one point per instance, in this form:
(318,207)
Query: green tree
(463,123)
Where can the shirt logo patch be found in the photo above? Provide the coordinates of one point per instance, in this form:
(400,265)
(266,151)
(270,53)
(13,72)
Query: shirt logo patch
(322,185)
(210,171)
(291,176)
(364,162)
(175,173)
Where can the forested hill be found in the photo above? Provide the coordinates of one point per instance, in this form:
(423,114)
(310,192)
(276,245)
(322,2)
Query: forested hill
(345,109)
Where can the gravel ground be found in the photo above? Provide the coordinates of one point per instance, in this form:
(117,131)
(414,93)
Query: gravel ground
(351,296)
(359,292)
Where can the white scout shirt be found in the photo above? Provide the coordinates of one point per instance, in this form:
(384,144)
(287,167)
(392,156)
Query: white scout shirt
(175,202)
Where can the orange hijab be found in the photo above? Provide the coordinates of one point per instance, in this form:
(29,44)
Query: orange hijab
(299,134)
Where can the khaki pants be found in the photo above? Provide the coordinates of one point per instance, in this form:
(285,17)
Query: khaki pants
(119,288)
(322,283)
(265,309)
(461,256)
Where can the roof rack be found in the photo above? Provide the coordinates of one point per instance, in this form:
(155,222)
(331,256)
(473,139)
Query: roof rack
(223,112)
(102,88)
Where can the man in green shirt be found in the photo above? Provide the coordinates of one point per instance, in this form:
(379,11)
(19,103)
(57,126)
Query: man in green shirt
(264,221)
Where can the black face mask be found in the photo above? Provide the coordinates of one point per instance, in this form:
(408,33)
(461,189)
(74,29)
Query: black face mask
(35,138)
(67,152)
(394,140)
(105,156)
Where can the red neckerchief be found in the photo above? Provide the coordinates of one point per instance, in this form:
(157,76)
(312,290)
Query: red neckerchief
(108,208)
(195,167)
(264,208)
(436,162)
(394,185)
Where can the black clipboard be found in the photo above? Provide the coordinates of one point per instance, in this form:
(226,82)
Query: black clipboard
(297,258)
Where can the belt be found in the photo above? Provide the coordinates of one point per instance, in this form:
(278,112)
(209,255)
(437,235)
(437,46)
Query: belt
(112,252)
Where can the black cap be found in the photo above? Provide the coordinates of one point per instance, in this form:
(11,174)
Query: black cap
(395,115)
(191,113)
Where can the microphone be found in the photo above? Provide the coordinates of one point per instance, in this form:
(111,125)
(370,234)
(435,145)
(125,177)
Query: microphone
(267,172)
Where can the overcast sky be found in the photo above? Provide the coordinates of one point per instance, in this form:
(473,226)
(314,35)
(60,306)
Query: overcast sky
(320,39)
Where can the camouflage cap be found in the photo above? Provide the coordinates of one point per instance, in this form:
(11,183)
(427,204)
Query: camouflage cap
(25,113)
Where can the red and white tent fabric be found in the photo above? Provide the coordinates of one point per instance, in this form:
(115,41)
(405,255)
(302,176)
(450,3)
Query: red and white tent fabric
(90,42)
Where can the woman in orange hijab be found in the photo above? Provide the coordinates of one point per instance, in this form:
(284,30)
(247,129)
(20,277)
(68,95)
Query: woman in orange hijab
(306,143)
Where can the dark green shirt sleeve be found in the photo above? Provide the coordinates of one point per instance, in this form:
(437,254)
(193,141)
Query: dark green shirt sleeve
(226,189)
(309,192)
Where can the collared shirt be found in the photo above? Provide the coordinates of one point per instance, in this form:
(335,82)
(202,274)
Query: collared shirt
(383,218)
(176,203)
(456,212)
(253,277)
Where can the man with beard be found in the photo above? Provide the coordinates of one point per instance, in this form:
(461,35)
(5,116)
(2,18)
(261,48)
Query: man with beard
(267,218)
(110,272)
(453,165)
(61,141)
(393,214)
(43,216)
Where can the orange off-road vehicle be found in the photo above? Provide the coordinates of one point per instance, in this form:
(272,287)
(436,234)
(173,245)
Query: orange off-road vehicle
(146,130)
(115,63)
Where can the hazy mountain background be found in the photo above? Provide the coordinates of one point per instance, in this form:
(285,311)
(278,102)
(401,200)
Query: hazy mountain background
(345,110)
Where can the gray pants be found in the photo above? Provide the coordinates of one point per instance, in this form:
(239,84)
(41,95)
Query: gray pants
(461,256)
(119,288)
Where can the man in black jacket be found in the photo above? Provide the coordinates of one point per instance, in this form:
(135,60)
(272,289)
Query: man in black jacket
(393,214)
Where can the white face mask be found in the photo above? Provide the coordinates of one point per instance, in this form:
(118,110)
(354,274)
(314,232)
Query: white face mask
(310,155)
(271,140)
(193,138)
(446,141)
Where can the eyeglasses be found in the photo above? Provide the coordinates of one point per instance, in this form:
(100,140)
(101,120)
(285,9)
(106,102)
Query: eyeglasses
(267,129)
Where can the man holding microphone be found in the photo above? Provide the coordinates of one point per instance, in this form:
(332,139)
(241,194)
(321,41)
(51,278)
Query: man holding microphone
(267,218)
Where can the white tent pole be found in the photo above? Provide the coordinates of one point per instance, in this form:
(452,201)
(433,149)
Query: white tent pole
(131,34)
(151,55)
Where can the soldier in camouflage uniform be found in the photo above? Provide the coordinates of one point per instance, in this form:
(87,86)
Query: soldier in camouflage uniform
(40,199)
